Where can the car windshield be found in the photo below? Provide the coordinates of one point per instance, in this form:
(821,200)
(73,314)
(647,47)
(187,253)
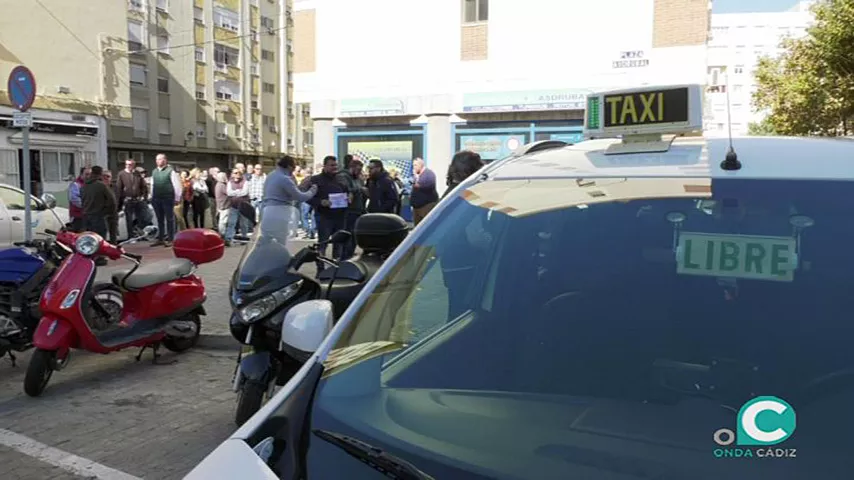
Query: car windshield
(267,253)
(609,328)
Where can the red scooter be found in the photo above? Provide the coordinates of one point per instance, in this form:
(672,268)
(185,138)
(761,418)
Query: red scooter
(162,303)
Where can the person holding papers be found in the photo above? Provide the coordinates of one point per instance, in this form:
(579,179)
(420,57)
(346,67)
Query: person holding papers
(330,205)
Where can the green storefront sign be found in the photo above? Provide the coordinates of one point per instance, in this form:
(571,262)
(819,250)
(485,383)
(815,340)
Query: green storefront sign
(530,100)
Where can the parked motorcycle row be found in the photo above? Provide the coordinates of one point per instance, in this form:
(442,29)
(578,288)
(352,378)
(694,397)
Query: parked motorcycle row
(50,301)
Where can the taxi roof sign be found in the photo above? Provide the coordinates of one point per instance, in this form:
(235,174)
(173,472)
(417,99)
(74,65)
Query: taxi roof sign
(661,110)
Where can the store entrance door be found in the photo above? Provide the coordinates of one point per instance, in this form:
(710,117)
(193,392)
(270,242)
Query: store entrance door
(35,171)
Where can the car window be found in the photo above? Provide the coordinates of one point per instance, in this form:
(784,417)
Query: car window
(13,199)
(626,314)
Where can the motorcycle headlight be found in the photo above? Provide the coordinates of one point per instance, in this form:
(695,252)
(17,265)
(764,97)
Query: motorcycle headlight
(87,244)
(265,306)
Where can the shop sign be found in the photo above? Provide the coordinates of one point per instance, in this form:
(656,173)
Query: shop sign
(533,100)
(59,128)
(492,147)
(372,107)
(574,137)
(631,59)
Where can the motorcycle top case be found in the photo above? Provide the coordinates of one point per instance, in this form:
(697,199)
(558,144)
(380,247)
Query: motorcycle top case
(198,245)
(380,232)
(17,265)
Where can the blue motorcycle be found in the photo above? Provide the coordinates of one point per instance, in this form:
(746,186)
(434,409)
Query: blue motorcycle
(25,271)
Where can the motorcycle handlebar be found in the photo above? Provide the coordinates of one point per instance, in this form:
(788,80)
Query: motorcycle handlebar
(49,232)
(133,256)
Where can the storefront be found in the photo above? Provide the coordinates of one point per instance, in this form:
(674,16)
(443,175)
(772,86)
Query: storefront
(60,144)
(496,123)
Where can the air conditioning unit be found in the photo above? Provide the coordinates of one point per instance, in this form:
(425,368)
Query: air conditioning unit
(274,129)
(200,95)
(221,67)
(221,136)
(254,104)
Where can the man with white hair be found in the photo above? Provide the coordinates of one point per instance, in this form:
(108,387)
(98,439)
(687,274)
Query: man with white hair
(213,173)
(166,192)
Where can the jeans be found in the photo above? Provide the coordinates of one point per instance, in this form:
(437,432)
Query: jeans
(233,217)
(214,213)
(136,213)
(326,226)
(164,210)
(95,223)
(349,248)
(308,223)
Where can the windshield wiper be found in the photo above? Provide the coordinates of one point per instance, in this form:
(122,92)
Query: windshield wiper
(376,458)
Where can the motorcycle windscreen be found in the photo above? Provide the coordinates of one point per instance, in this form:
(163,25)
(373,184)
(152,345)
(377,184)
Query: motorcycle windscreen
(271,248)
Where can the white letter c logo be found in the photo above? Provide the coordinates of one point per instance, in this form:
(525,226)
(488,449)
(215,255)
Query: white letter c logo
(748,421)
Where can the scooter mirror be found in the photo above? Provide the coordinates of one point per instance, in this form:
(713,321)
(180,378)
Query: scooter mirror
(341,236)
(150,231)
(49,201)
(305,327)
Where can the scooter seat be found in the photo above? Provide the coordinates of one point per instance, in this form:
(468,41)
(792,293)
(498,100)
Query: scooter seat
(153,273)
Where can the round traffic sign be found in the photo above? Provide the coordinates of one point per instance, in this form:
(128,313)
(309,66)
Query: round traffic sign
(21,88)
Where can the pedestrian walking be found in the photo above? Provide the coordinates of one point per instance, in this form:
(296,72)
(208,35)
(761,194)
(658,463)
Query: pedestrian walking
(75,202)
(357,192)
(382,192)
(424,194)
(165,196)
(328,219)
(132,192)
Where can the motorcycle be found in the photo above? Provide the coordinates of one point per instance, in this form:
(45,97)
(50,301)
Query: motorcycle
(163,302)
(262,292)
(24,272)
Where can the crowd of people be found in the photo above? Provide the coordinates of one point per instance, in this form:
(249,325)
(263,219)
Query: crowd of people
(329,200)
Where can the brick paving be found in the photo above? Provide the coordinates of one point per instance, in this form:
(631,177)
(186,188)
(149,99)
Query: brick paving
(151,421)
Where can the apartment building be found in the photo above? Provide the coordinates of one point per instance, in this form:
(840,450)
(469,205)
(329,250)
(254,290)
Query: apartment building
(208,82)
(486,75)
(736,43)
(81,80)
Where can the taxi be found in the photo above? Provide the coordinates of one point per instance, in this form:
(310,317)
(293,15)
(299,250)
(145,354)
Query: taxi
(645,304)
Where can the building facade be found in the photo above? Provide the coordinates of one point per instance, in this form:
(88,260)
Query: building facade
(485,75)
(208,82)
(81,85)
(737,42)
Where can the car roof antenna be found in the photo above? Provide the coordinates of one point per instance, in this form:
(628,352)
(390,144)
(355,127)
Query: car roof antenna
(731,161)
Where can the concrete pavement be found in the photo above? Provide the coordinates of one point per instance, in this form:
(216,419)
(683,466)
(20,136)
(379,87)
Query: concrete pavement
(139,419)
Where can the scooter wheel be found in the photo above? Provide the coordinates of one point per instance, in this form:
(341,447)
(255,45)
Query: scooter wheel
(179,344)
(249,401)
(39,372)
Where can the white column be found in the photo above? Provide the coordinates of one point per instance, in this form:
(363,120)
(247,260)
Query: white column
(439,146)
(323,114)
(324,139)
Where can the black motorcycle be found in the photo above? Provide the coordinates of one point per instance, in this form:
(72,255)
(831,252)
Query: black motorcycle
(267,283)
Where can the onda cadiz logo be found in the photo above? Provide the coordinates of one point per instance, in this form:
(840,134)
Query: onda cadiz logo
(761,423)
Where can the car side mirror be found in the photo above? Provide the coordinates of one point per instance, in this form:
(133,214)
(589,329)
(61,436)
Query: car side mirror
(341,236)
(49,201)
(305,327)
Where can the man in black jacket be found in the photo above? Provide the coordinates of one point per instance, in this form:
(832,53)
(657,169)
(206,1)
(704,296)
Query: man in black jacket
(352,179)
(99,202)
(132,193)
(329,220)
(382,195)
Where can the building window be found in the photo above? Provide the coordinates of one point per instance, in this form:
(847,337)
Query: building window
(162,84)
(163,44)
(254,102)
(269,88)
(163,5)
(200,54)
(221,131)
(57,166)
(135,36)
(268,120)
(225,55)
(267,22)
(268,55)
(475,11)
(199,15)
(255,69)
(138,75)
(227,19)
(164,126)
(201,130)
(226,90)
(254,35)
(738,69)
(200,92)
(140,122)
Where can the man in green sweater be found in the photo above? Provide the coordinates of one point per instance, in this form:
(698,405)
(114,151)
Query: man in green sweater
(165,194)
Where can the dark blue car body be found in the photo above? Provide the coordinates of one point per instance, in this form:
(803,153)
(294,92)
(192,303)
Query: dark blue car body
(23,275)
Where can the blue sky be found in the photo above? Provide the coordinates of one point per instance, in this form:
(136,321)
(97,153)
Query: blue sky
(739,6)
